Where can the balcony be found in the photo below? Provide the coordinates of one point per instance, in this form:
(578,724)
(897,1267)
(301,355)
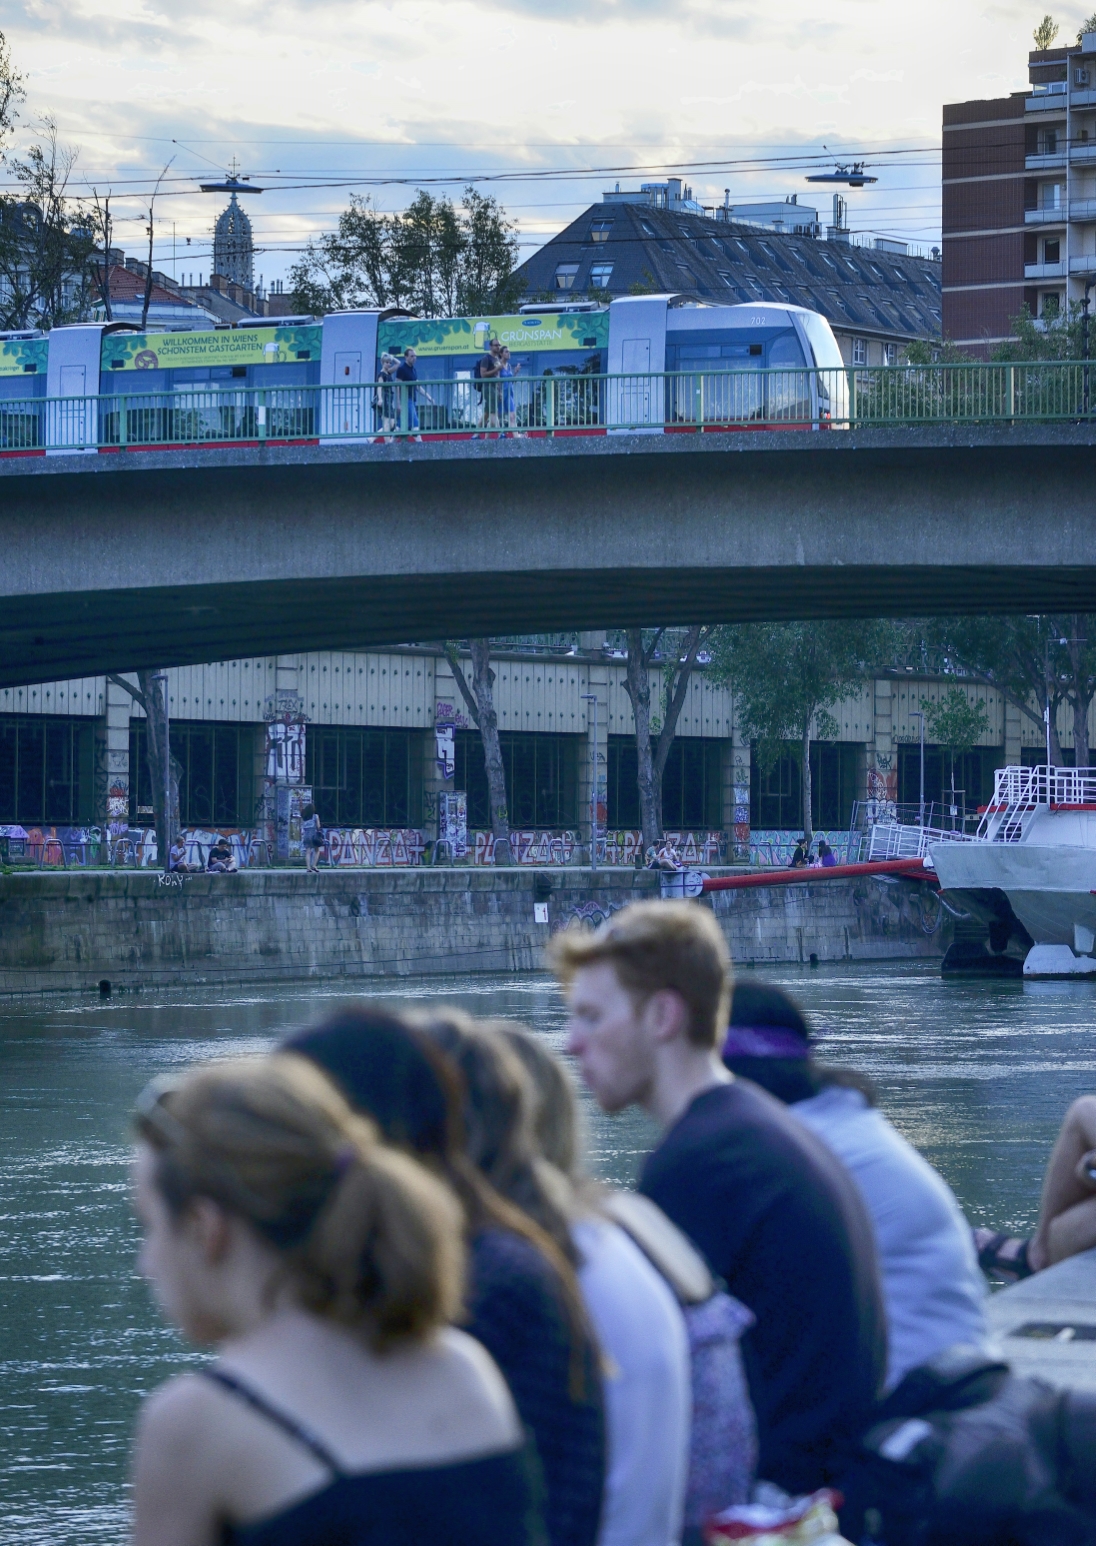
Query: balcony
(1052,215)
(1054,162)
(1044,270)
(1083,264)
(1083,96)
(1049,98)
(1082,153)
(1082,209)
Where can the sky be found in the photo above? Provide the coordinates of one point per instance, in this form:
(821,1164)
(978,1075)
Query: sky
(544,103)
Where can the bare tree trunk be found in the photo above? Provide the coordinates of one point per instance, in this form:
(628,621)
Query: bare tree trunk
(164,788)
(163,770)
(480,701)
(638,686)
(1080,699)
(483,679)
(808,824)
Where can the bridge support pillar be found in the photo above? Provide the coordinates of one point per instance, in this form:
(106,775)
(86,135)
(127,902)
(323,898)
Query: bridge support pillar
(594,772)
(112,771)
(882,759)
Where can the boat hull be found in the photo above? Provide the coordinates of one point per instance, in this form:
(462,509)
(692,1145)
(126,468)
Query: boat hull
(1050,889)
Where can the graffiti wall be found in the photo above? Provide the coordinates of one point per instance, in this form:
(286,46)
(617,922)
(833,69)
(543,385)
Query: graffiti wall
(537,847)
(397,847)
(692,847)
(774,847)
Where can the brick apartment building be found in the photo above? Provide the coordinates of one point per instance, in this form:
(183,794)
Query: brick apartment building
(1019,199)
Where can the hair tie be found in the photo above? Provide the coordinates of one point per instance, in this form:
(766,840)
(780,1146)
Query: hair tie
(766,1041)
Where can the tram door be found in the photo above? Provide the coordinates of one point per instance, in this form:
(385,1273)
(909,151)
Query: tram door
(349,407)
(634,401)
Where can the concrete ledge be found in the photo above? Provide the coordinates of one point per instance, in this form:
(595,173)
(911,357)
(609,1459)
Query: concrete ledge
(68,931)
(1063,1301)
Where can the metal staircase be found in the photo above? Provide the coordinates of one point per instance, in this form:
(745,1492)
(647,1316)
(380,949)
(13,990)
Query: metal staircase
(1019,793)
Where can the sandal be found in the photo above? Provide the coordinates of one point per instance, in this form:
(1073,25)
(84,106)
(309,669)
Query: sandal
(1002,1255)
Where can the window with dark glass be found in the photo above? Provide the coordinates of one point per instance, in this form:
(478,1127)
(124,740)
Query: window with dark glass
(776,795)
(691,785)
(216,773)
(365,778)
(973,775)
(541,778)
(600,274)
(46,770)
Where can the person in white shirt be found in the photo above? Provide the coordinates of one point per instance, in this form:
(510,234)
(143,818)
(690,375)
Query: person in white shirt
(933,1290)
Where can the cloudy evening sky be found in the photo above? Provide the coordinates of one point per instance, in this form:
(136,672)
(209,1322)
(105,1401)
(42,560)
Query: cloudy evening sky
(309,96)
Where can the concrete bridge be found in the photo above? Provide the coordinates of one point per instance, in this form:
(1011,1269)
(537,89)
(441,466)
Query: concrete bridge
(114,561)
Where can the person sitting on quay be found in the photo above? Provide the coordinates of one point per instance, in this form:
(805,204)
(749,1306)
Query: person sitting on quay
(1067,1212)
(933,1293)
(177,857)
(826,856)
(324,1267)
(801,856)
(221,860)
(769,1207)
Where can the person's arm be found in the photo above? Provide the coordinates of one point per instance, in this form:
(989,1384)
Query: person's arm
(175,1470)
(1063,1189)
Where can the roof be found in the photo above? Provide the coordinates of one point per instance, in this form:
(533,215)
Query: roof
(125,285)
(858,289)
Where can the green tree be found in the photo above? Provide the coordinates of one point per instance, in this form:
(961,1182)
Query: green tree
(955,724)
(788,676)
(1057,337)
(489,256)
(1036,663)
(12,93)
(1087,26)
(434,259)
(1045,32)
(678,656)
(47,240)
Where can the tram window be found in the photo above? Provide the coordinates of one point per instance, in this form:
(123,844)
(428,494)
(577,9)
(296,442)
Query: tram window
(785,352)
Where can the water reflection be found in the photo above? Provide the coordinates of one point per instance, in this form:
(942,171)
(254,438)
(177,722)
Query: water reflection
(976,1074)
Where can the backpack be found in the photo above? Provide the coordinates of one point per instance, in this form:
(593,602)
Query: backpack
(969,1454)
(723,1438)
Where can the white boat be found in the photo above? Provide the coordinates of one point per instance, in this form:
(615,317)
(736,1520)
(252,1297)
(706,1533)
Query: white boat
(1036,846)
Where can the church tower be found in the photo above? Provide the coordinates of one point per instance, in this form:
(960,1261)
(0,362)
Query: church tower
(233,249)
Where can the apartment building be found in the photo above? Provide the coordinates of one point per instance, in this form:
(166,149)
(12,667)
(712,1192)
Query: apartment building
(1019,199)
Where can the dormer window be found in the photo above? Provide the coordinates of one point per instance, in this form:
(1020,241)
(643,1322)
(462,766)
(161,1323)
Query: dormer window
(565,275)
(599,230)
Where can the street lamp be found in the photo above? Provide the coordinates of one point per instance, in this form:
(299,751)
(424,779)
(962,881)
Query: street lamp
(920,714)
(591,697)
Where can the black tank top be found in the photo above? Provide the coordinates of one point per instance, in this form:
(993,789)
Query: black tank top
(495,1501)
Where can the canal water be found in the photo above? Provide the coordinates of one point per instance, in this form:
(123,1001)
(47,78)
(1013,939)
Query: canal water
(977,1075)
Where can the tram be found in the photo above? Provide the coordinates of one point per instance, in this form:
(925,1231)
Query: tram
(653,364)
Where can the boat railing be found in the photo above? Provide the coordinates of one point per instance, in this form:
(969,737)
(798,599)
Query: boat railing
(894,840)
(1019,793)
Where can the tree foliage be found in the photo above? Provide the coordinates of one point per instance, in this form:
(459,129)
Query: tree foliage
(1087,26)
(12,93)
(1034,662)
(47,240)
(955,724)
(1045,32)
(1057,337)
(788,676)
(436,259)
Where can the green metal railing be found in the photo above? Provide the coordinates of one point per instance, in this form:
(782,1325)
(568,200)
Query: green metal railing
(671,401)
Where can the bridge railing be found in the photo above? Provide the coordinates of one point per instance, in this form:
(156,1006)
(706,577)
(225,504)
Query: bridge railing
(694,401)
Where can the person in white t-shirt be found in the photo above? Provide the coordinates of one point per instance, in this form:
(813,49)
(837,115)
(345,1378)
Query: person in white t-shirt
(933,1290)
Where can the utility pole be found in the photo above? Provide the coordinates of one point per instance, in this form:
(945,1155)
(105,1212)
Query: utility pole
(590,697)
(1084,344)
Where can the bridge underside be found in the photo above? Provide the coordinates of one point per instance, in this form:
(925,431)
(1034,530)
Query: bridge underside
(114,562)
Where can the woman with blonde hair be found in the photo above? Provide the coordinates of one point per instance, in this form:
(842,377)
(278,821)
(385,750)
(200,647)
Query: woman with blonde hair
(342,1409)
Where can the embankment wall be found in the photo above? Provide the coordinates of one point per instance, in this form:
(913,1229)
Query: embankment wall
(70,931)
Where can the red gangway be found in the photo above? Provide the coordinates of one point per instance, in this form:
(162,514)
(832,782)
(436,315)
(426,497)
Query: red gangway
(913,869)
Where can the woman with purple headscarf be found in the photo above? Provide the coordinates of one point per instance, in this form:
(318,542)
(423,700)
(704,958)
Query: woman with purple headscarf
(932,1288)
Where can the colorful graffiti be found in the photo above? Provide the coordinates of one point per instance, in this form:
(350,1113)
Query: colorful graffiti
(773,848)
(626,847)
(380,847)
(535,847)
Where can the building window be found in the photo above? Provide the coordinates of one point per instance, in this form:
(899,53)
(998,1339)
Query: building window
(599,231)
(365,778)
(860,351)
(565,275)
(973,778)
(1050,142)
(600,274)
(1051,303)
(46,769)
(647,228)
(216,779)
(1052,196)
(541,778)
(1052,248)
(691,785)
(890,354)
(776,796)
